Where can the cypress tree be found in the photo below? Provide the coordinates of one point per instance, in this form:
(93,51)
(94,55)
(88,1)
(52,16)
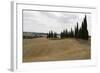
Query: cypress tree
(55,35)
(51,34)
(76,31)
(66,33)
(48,35)
(83,32)
(85,36)
(71,33)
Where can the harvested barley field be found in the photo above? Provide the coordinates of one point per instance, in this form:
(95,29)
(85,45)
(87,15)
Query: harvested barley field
(43,49)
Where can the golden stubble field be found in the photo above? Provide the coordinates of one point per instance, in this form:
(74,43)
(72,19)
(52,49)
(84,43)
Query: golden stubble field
(43,49)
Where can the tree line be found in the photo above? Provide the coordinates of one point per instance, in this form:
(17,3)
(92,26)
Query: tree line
(51,34)
(79,33)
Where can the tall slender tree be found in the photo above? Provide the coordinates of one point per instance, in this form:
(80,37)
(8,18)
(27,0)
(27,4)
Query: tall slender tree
(55,35)
(72,33)
(51,34)
(83,32)
(85,36)
(66,33)
(76,31)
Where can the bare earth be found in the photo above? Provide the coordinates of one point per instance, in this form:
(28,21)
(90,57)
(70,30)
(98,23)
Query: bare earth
(43,49)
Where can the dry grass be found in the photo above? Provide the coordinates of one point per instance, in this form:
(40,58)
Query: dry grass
(42,49)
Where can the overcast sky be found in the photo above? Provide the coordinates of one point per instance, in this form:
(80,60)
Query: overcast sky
(41,21)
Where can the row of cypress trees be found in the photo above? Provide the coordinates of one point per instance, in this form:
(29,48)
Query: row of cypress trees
(81,33)
(51,34)
(66,34)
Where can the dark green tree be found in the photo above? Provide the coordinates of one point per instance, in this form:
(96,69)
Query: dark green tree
(55,35)
(76,31)
(66,33)
(61,35)
(83,32)
(72,33)
(51,34)
(48,35)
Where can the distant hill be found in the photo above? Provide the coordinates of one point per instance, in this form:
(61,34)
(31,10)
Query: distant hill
(30,35)
(33,34)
